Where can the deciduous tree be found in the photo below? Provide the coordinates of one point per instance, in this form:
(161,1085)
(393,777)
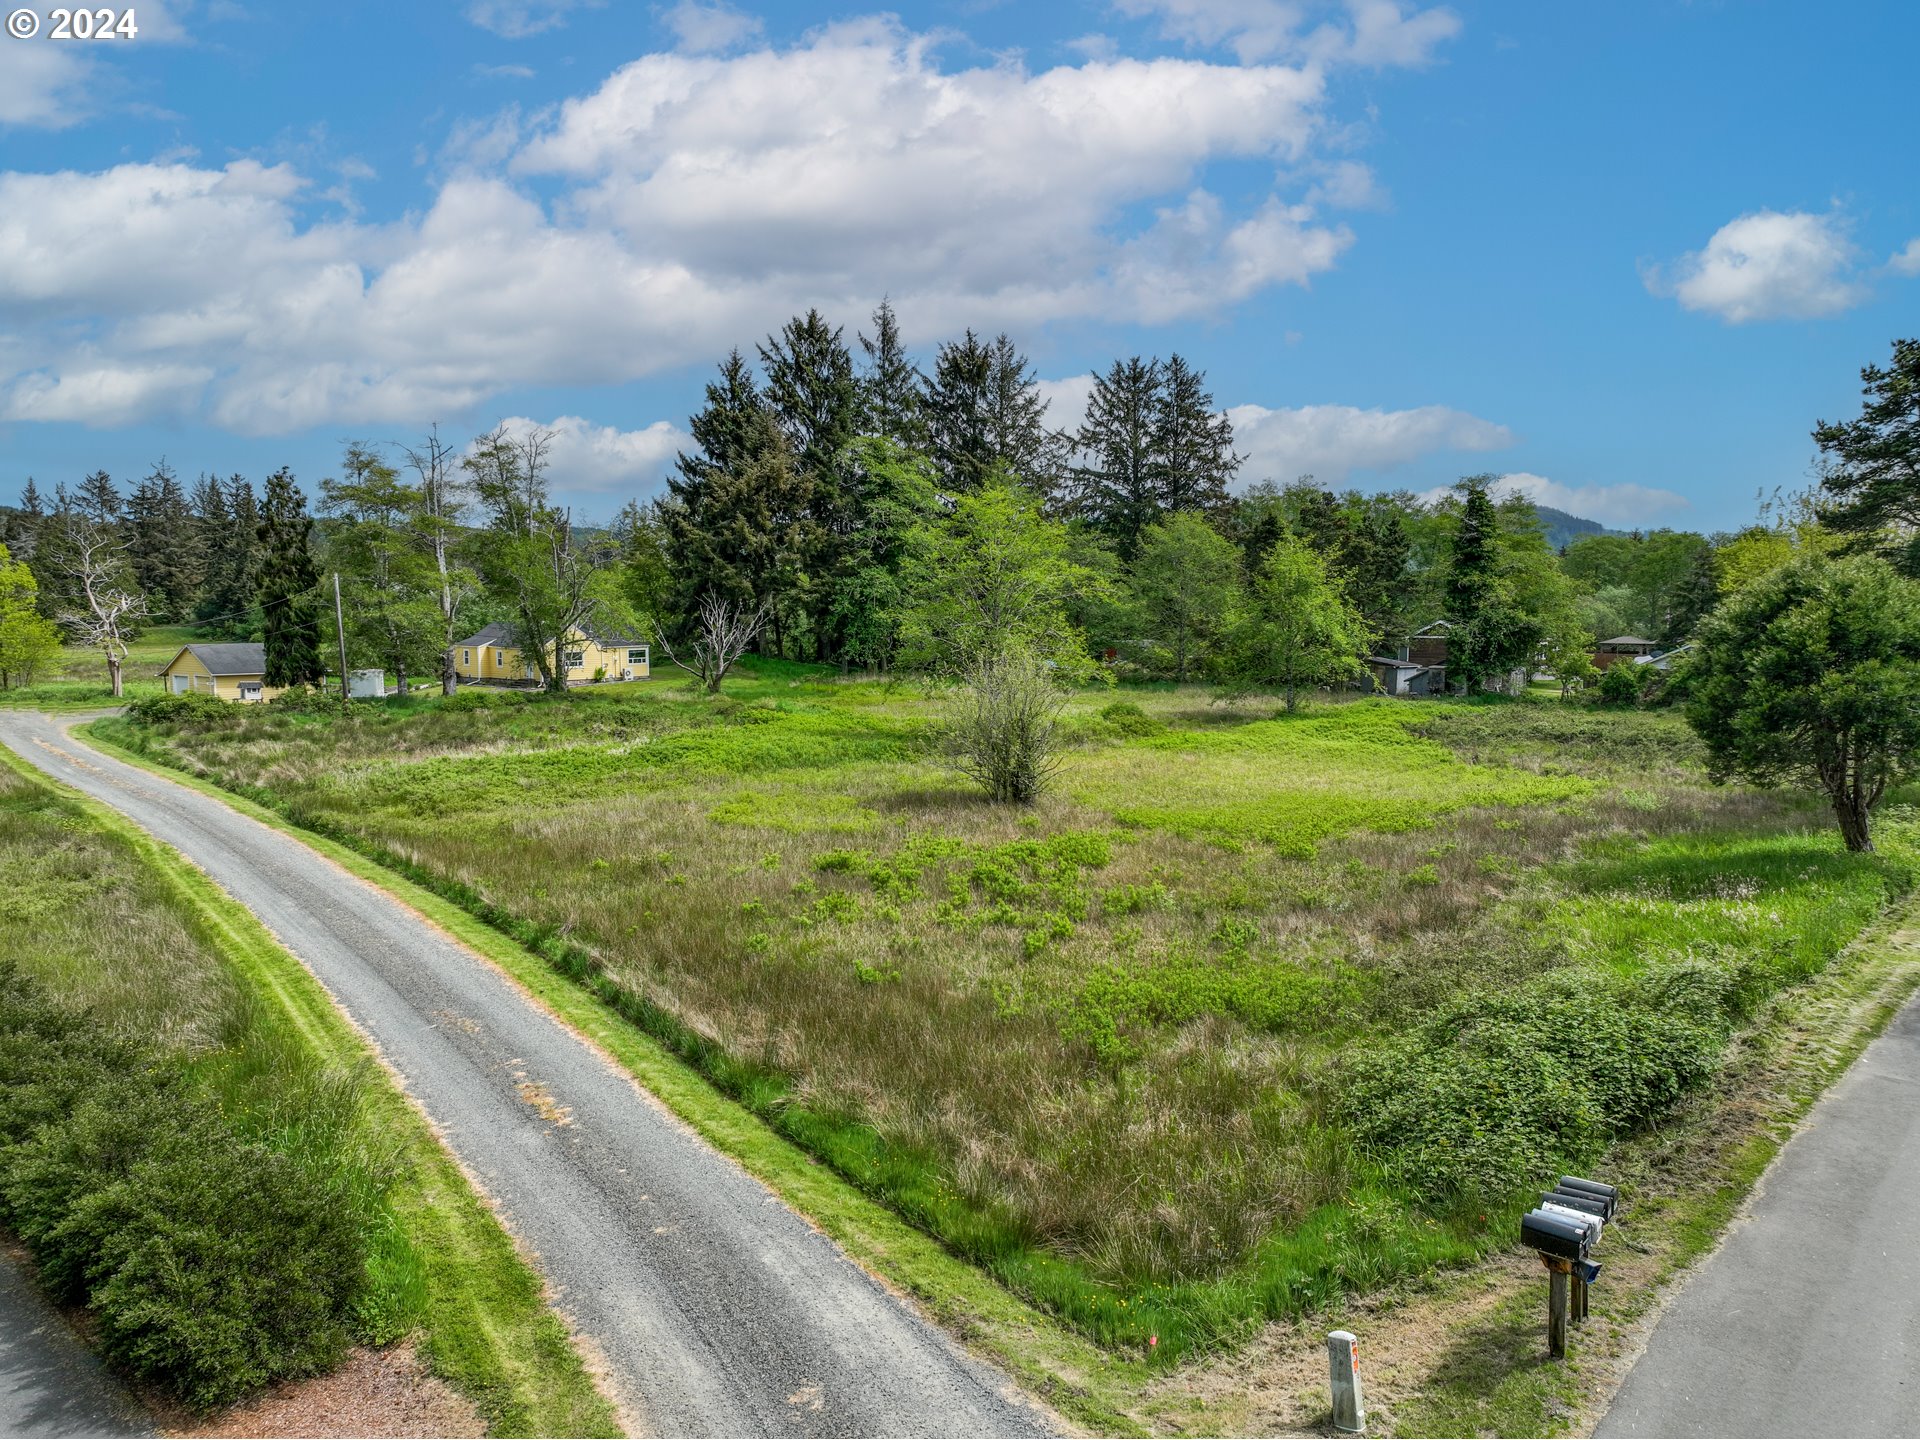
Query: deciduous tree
(1297,632)
(1186,588)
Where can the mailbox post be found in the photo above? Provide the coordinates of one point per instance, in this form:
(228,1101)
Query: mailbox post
(1564,1227)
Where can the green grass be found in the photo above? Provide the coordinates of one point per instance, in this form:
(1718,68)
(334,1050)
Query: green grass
(1108,1049)
(110,919)
(77,679)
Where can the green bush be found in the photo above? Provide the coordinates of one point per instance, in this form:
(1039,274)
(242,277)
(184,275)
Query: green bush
(190,709)
(1127,720)
(212,1264)
(1619,684)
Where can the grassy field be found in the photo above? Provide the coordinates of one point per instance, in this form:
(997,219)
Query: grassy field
(116,928)
(1253,1012)
(77,679)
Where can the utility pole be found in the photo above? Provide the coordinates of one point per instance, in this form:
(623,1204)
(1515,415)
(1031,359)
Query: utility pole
(340,631)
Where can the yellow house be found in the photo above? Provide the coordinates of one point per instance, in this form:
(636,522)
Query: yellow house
(491,655)
(228,672)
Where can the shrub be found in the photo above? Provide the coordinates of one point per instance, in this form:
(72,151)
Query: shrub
(1619,684)
(1128,720)
(190,709)
(1002,732)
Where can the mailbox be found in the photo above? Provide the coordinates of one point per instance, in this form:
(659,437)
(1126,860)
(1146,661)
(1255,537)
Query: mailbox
(1587,1220)
(1560,1236)
(1574,1185)
(1587,1270)
(1574,1200)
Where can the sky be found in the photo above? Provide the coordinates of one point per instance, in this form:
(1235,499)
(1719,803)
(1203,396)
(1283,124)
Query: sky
(1625,254)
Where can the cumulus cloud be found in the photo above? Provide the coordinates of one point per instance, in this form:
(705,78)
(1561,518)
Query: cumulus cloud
(1624,506)
(1907,261)
(1368,32)
(1769,265)
(43,85)
(705,26)
(595,459)
(690,202)
(517,19)
(1329,441)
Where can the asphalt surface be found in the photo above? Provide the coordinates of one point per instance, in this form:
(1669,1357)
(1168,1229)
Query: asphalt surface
(714,1308)
(51,1384)
(1807,1320)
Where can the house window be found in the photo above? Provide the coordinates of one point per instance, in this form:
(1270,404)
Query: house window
(466,658)
(637,655)
(249,689)
(500,658)
(575,659)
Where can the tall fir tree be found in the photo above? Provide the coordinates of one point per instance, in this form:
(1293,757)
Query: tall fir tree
(891,385)
(289,586)
(1490,635)
(1115,488)
(1192,444)
(985,412)
(164,544)
(98,499)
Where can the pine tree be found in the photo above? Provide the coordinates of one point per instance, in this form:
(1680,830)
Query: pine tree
(1017,422)
(1192,444)
(163,544)
(1490,635)
(1116,489)
(229,522)
(891,386)
(30,501)
(984,412)
(289,586)
(99,500)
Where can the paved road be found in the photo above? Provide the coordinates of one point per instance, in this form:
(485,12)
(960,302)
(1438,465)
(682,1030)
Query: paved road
(51,1384)
(1807,1320)
(716,1309)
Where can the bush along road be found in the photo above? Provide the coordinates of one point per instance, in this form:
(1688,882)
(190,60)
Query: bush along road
(714,1308)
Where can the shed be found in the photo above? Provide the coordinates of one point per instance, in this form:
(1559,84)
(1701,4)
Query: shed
(235,671)
(1428,645)
(1406,677)
(1621,647)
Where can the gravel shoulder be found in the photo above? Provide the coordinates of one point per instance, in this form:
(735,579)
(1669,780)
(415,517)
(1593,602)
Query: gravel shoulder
(710,1306)
(1806,1321)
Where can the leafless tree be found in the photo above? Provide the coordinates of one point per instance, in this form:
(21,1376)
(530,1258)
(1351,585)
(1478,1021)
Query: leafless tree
(442,506)
(97,565)
(1003,727)
(722,630)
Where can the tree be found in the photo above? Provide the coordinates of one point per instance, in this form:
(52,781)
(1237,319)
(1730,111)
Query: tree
(98,500)
(1811,676)
(984,413)
(993,577)
(110,609)
(439,515)
(229,520)
(646,575)
(1298,631)
(163,543)
(1692,600)
(289,586)
(27,639)
(722,630)
(891,490)
(1193,455)
(1871,483)
(391,613)
(891,386)
(1491,636)
(550,588)
(1002,728)
(1117,487)
(1186,585)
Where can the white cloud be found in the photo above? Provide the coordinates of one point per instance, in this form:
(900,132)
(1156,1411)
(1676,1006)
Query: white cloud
(706,26)
(517,19)
(595,459)
(1328,441)
(1067,401)
(1907,261)
(42,84)
(503,72)
(1374,32)
(104,395)
(1768,265)
(1623,507)
(691,202)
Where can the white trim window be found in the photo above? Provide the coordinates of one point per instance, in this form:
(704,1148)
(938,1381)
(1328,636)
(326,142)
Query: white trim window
(637,655)
(466,658)
(576,659)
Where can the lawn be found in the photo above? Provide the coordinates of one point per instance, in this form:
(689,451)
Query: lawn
(1252,1011)
(77,678)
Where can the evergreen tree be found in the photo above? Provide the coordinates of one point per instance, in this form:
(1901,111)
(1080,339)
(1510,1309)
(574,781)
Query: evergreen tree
(98,500)
(1490,635)
(289,586)
(984,412)
(1192,445)
(1872,481)
(1021,444)
(163,543)
(229,521)
(891,386)
(1693,599)
(1117,487)
(31,502)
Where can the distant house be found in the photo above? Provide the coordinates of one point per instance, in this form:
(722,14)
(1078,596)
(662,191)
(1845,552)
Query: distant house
(227,672)
(1406,677)
(1622,647)
(1428,644)
(1664,660)
(491,655)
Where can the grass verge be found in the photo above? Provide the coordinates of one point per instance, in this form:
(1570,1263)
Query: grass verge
(1077,1377)
(487,1328)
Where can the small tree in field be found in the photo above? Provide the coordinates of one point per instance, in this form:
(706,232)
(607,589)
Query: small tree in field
(110,610)
(1001,729)
(722,631)
(1811,676)
(1298,632)
(27,640)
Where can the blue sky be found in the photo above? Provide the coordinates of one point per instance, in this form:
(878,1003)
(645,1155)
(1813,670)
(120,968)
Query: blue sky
(1625,253)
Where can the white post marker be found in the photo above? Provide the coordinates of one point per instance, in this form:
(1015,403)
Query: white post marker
(1349,1411)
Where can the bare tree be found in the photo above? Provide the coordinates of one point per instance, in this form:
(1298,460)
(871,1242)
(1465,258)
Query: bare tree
(442,505)
(97,566)
(722,631)
(1003,728)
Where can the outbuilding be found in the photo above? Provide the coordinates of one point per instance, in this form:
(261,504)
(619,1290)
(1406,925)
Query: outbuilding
(490,654)
(236,671)
(1621,647)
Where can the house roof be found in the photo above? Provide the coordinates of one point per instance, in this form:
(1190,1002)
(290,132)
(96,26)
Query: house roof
(1442,626)
(1626,640)
(232,659)
(1398,664)
(499,633)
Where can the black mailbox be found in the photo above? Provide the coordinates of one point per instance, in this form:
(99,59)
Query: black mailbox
(1559,1236)
(1575,1200)
(1574,1185)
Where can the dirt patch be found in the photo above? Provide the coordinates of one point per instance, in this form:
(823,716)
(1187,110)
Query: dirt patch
(374,1393)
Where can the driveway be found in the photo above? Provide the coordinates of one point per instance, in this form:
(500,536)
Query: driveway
(51,1384)
(1806,1321)
(715,1309)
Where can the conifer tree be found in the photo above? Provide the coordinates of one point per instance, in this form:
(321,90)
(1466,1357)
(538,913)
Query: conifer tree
(98,499)
(289,586)
(163,543)
(1116,488)
(1192,444)
(985,413)
(891,386)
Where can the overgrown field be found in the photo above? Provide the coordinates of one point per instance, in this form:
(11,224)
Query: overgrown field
(195,1147)
(1252,1010)
(78,677)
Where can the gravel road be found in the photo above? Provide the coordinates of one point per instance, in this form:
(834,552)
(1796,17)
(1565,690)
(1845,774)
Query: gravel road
(51,1384)
(715,1309)
(1807,1320)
